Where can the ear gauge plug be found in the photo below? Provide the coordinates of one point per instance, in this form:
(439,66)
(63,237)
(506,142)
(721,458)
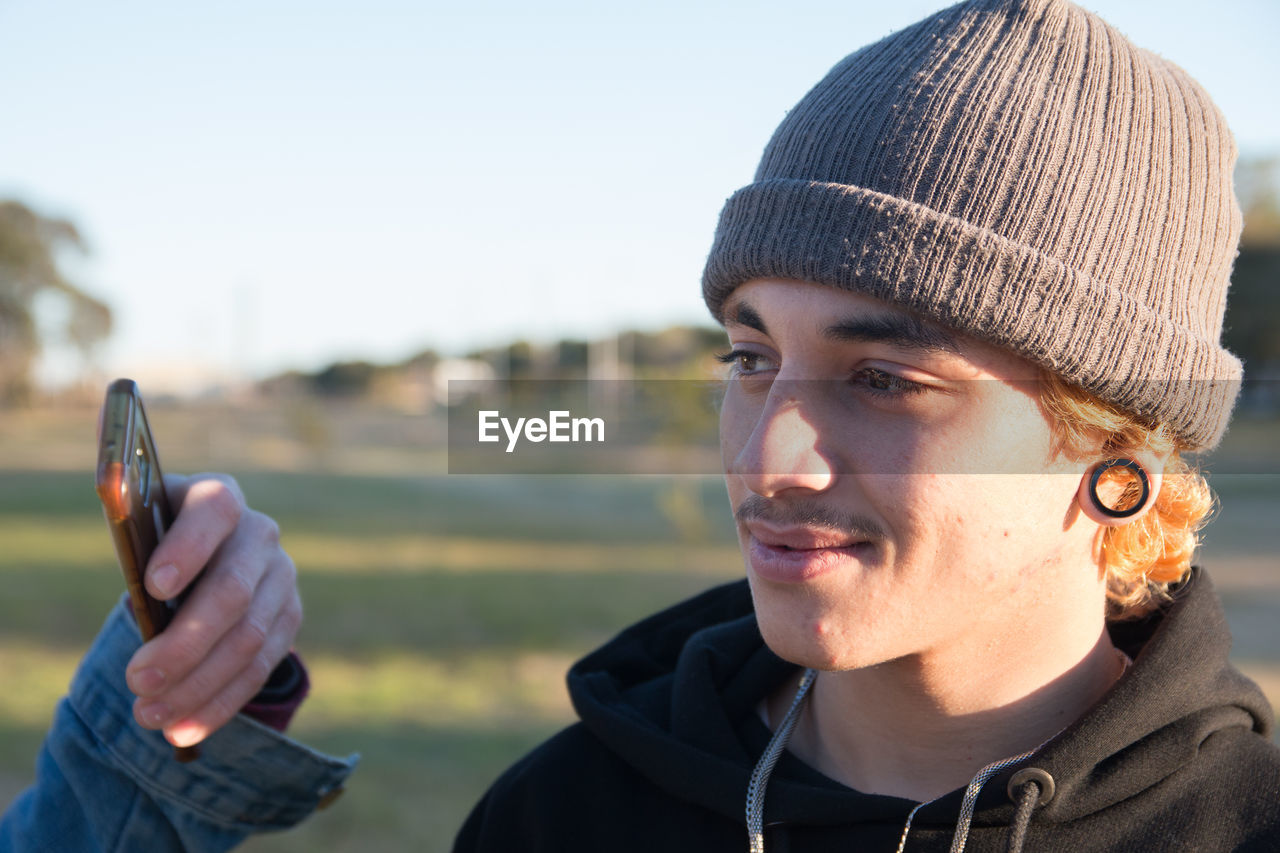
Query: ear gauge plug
(1143,481)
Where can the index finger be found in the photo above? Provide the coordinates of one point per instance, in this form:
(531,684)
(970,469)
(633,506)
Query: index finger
(207,508)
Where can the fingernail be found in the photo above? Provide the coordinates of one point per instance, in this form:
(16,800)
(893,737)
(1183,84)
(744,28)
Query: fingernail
(186,734)
(147,681)
(155,714)
(165,580)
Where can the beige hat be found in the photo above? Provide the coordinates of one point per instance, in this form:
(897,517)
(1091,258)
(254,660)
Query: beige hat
(1019,171)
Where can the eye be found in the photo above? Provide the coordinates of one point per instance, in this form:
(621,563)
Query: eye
(745,362)
(885,384)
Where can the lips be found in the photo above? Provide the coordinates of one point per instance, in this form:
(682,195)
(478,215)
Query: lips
(799,538)
(800,554)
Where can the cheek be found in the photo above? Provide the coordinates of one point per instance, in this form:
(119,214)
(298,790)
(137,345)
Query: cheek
(738,417)
(1007,530)
(954,521)
(918,508)
(735,432)
(1017,438)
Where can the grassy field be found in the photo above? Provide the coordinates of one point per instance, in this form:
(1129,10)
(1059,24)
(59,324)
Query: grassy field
(442,614)
(442,611)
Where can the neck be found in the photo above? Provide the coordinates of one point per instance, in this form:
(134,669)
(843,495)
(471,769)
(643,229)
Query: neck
(923,725)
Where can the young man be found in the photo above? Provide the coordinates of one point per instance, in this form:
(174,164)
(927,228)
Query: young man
(974,298)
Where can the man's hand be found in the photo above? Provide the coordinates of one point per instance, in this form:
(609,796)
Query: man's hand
(238,622)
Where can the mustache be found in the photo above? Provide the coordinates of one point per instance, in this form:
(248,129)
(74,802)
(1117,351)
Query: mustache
(808,513)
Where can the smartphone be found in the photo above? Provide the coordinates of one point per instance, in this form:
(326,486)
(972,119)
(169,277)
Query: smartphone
(131,487)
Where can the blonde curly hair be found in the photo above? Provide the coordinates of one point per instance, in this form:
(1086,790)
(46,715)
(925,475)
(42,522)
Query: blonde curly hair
(1143,558)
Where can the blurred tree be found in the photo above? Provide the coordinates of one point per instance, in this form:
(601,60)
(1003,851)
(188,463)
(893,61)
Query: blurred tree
(345,379)
(571,355)
(1251,328)
(29,247)
(1256,186)
(424,359)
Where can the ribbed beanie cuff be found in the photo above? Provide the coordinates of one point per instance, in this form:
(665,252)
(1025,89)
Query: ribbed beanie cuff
(984,233)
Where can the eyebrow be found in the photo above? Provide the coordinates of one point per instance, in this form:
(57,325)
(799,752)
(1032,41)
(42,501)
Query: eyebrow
(745,315)
(904,331)
(900,330)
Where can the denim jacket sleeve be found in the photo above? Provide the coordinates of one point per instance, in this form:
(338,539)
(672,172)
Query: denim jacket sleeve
(105,784)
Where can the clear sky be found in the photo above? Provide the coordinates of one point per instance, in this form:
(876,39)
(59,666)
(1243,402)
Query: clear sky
(268,185)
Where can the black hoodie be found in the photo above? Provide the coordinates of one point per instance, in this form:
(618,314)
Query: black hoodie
(1175,757)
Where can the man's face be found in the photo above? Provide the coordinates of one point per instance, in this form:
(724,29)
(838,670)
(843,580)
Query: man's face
(895,484)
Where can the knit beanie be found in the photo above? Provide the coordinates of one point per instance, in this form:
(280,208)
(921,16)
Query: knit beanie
(1019,171)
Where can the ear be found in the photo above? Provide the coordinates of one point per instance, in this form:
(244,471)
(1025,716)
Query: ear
(1103,483)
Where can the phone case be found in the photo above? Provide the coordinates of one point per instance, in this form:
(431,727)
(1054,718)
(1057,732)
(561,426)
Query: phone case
(131,487)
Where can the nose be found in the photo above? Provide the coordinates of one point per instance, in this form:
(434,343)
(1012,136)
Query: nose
(784,450)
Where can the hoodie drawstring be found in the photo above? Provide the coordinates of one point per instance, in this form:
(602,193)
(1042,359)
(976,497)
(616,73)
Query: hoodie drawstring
(1022,819)
(971,795)
(1029,788)
(764,767)
(1036,785)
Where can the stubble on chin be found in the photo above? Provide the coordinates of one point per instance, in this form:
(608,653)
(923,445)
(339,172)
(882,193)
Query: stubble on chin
(805,625)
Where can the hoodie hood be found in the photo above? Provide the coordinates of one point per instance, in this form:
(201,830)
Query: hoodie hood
(675,698)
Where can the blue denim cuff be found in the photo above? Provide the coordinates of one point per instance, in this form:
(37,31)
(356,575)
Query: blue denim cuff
(248,777)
